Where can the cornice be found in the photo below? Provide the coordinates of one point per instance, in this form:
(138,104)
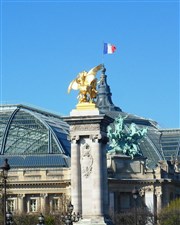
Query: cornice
(38,183)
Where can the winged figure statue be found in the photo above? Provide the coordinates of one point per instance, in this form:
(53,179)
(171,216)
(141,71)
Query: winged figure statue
(86,83)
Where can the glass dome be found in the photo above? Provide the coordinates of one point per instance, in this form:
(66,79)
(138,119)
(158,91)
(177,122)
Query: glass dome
(26,131)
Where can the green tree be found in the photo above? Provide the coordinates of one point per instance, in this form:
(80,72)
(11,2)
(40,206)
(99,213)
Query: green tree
(142,216)
(25,219)
(50,220)
(170,215)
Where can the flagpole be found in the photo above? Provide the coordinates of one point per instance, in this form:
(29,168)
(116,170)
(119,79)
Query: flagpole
(103,54)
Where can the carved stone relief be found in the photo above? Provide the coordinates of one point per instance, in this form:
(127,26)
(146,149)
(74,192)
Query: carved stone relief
(86,160)
(84,127)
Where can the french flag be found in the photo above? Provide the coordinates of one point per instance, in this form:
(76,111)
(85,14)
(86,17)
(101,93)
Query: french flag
(109,48)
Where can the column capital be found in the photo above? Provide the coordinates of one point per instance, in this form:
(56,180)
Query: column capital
(74,139)
(21,196)
(43,195)
(158,192)
(96,137)
(99,137)
(142,192)
(148,188)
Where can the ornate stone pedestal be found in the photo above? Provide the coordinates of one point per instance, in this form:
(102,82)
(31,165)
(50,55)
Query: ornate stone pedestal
(89,188)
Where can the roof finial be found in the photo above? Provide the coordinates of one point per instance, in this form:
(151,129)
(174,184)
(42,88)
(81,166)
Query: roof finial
(103,69)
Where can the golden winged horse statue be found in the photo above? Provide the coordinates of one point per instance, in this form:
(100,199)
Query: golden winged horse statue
(86,83)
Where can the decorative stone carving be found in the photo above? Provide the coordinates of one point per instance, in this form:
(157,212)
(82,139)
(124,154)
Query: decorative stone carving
(86,160)
(96,137)
(43,195)
(148,189)
(158,192)
(74,138)
(84,127)
(142,192)
(21,196)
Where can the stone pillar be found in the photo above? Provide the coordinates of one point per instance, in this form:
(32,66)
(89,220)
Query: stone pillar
(158,194)
(21,203)
(149,199)
(43,202)
(97,185)
(76,175)
(89,165)
(105,176)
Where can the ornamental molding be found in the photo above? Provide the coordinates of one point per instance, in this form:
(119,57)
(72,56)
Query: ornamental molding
(44,185)
(96,137)
(148,189)
(21,196)
(86,160)
(74,139)
(44,195)
(158,192)
(142,192)
(84,127)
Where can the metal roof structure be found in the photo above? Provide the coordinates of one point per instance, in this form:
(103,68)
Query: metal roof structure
(32,137)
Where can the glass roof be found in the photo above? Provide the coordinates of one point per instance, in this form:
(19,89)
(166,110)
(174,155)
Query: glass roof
(170,142)
(28,131)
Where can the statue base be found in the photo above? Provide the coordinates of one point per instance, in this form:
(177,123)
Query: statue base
(85,109)
(95,221)
(86,106)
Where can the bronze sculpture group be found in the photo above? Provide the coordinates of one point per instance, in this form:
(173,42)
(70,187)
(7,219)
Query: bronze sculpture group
(125,139)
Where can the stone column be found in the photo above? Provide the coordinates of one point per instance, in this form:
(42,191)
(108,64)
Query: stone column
(158,194)
(76,175)
(97,183)
(89,165)
(149,199)
(44,202)
(21,203)
(105,176)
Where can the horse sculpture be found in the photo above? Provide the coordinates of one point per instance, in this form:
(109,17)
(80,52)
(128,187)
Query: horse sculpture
(86,83)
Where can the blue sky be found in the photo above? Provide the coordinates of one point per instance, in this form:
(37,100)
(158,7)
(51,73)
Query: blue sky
(45,44)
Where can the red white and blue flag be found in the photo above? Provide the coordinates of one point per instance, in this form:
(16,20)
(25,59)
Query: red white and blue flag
(109,48)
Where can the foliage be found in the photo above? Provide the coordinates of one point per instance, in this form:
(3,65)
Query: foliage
(124,140)
(32,219)
(25,219)
(129,217)
(170,215)
(50,220)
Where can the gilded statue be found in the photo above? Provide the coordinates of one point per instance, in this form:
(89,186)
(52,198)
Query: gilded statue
(86,83)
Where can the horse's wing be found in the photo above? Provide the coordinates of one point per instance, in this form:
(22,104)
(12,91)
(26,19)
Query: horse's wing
(73,85)
(92,73)
(94,70)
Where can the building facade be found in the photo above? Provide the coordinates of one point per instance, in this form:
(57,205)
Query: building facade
(37,146)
